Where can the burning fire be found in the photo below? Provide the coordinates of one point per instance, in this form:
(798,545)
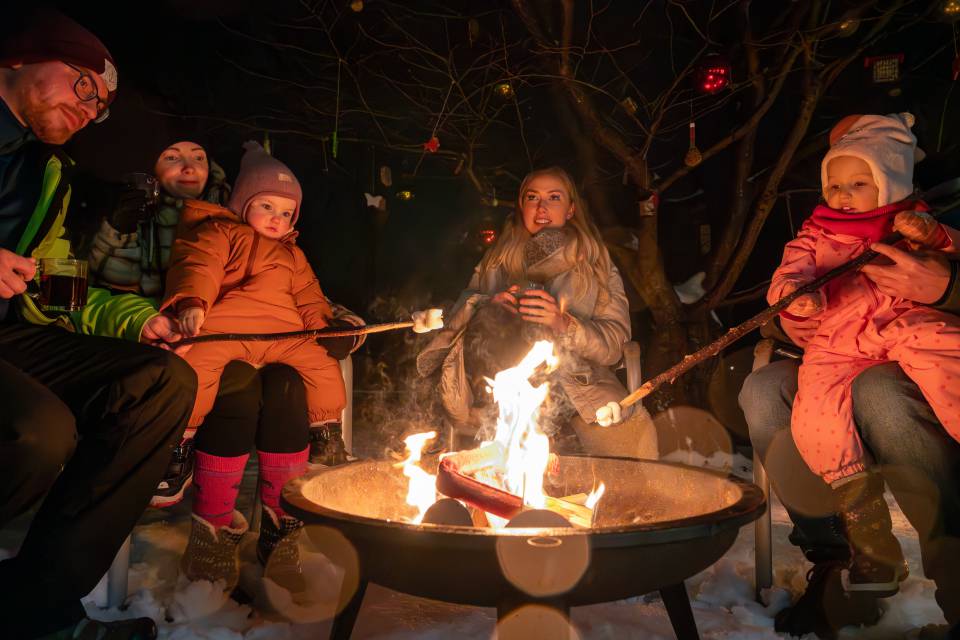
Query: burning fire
(526,447)
(514,462)
(422,491)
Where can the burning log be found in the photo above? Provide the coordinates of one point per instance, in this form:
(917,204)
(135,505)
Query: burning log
(454,481)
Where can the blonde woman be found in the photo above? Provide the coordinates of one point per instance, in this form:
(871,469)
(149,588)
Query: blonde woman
(551,273)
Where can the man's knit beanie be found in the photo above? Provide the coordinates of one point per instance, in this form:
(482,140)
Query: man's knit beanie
(262,174)
(44,35)
(886,144)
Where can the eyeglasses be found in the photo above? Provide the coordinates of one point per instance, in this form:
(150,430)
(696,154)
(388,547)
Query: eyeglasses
(86,89)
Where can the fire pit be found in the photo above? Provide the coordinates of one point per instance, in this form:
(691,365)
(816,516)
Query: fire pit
(657,524)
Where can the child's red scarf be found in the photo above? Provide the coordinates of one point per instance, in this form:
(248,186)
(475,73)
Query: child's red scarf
(871,225)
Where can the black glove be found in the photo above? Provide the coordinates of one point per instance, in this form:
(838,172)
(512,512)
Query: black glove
(338,348)
(130,207)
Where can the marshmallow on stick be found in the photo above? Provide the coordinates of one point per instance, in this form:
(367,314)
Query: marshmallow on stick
(427,320)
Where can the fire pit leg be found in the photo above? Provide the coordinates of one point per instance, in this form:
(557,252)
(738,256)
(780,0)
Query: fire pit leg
(677,602)
(343,622)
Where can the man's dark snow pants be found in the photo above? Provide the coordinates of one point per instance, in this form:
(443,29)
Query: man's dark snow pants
(87,425)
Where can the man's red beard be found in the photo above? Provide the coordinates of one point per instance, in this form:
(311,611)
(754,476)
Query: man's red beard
(47,122)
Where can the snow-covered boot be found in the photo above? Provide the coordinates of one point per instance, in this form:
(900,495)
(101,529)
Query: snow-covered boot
(877,564)
(212,553)
(825,607)
(278,550)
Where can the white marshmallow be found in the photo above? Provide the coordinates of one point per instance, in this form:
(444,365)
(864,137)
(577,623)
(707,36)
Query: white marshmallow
(428,320)
(609,414)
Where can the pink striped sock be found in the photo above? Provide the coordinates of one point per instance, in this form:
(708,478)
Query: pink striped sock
(217,482)
(275,470)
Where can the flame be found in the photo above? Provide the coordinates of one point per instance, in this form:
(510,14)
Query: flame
(594,497)
(422,489)
(527,447)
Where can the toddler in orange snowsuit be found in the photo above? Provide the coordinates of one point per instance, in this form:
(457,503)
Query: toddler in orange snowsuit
(238,270)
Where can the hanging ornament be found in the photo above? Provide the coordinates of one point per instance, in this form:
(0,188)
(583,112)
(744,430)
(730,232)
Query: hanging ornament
(848,27)
(648,206)
(432,145)
(713,74)
(488,237)
(386,176)
(629,105)
(504,90)
(693,157)
(473,30)
(357,5)
(884,69)
(950,10)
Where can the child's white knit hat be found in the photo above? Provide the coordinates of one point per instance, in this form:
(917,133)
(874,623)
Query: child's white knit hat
(886,144)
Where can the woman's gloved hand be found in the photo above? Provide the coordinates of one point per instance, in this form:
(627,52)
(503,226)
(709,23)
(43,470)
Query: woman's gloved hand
(131,206)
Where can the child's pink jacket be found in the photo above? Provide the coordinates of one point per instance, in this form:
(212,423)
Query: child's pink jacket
(859,327)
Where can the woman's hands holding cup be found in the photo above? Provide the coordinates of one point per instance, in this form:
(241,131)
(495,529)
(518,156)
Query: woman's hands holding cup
(507,299)
(538,306)
(533,305)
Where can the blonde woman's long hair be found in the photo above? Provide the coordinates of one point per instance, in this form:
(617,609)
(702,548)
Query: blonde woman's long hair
(586,251)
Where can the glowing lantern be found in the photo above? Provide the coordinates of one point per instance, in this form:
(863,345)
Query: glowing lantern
(884,69)
(504,90)
(405,195)
(488,237)
(713,74)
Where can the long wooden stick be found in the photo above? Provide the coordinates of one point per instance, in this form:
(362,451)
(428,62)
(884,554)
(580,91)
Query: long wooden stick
(746,327)
(326,332)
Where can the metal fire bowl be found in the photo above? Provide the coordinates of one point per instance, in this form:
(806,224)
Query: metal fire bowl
(657,524)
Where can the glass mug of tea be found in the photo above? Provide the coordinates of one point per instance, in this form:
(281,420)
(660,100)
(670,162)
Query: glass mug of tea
(63,284)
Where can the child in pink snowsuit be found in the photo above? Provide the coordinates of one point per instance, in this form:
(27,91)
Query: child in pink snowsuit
(856,325)
(850,324)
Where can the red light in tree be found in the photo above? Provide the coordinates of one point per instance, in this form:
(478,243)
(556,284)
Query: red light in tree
(713,74)
(488,236)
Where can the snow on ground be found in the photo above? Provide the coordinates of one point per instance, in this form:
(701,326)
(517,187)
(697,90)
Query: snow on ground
(722,596)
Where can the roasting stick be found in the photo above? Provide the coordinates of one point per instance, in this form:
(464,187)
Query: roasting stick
(608,414)
(423,321)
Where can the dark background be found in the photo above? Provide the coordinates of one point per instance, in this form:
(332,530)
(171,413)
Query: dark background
(185,73)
